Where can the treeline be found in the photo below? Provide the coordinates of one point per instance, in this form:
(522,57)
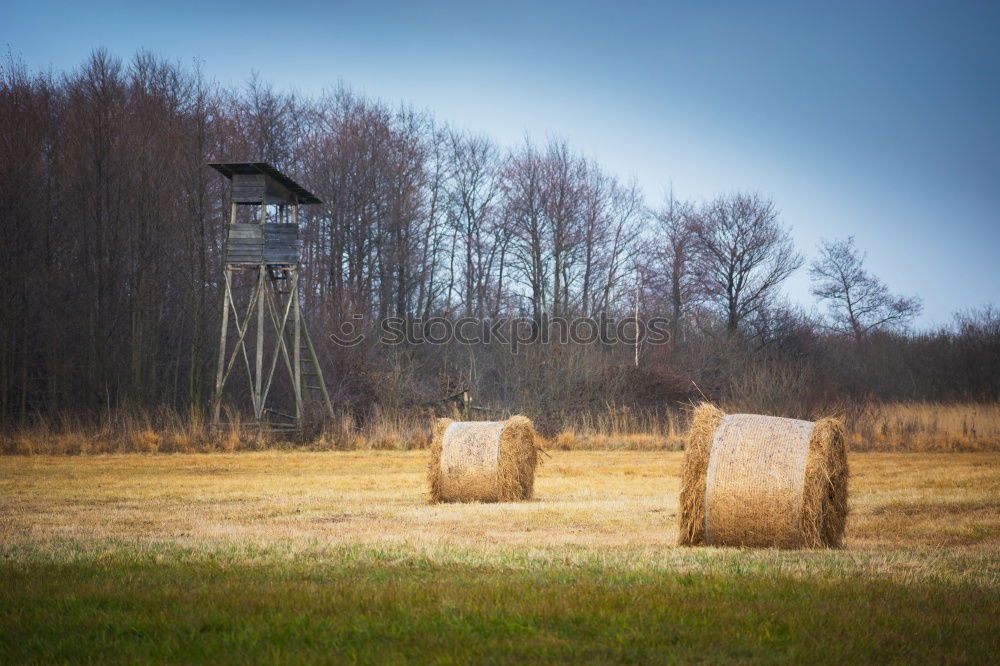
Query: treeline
(112,228)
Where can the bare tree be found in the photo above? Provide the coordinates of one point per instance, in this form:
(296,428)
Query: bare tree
(111,237)
(473,193)
(523,202)
(743,254)
(561,174)
(626,216)
(672,253)
(573,226)
(858,302)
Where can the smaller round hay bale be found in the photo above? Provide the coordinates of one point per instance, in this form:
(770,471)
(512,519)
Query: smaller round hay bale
(482,461)
(763,481)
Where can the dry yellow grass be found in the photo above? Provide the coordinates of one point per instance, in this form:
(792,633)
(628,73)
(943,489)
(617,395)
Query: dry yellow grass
(914,514)
(910,426)
(320,556)
(870,427)
(621,428)
(920,426)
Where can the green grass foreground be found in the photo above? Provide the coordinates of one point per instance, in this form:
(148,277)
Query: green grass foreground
(122,602)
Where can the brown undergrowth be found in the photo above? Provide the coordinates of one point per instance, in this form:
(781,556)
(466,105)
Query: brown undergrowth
(920,427)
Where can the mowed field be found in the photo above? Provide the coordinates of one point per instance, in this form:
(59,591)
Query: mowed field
(338,557)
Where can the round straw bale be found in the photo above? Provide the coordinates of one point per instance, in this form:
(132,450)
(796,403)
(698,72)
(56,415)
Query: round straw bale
(482,461)
(763,481)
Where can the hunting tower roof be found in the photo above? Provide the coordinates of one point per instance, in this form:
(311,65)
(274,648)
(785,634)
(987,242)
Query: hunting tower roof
(230,169)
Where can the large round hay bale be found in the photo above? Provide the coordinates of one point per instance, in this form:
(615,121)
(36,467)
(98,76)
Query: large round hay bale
(482,461)
(763,481)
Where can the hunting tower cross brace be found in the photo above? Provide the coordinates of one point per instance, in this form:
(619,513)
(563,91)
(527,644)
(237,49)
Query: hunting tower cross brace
(263,245)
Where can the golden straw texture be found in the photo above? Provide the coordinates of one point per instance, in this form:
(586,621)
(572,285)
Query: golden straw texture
(824,495)
(763,481)
(753,484)
(484,461)
(696,452)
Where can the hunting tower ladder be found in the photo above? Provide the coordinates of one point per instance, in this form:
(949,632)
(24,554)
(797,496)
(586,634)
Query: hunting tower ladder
(265,248)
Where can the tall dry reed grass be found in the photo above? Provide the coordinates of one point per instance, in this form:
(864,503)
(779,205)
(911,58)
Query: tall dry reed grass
(163,430)
(624,428)
(870,427)
(923,426)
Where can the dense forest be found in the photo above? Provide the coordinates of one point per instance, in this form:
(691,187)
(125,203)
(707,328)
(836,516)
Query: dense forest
(111,230)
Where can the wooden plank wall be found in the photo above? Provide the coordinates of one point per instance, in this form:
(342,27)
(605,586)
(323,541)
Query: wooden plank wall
(249,188)
(255,188)
(281,243)
(270,243)
(245,244)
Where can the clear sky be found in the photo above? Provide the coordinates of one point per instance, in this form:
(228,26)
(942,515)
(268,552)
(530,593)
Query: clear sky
(877,119)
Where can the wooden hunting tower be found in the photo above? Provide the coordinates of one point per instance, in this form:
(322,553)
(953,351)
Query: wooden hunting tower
(263,245)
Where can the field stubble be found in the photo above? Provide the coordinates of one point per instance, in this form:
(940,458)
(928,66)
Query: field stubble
(297,556)
(587,504)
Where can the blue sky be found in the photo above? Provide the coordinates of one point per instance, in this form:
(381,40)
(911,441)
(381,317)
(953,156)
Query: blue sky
(877,119)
